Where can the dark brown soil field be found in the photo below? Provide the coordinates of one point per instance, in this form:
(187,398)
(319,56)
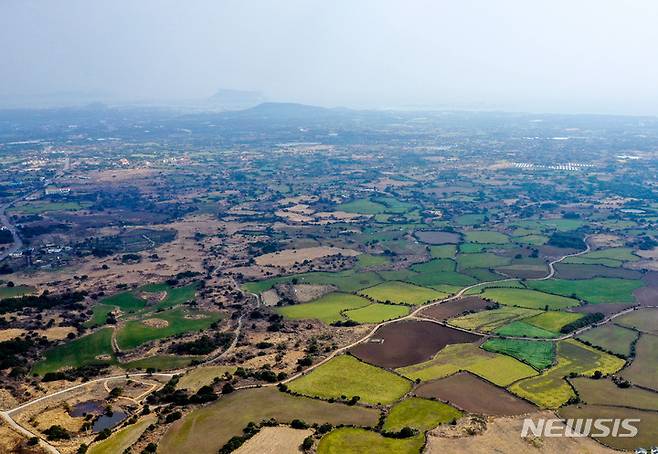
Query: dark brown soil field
(605,309)
(408,342)
(437,237)
(475,395)
(648,296)
(576,271)
(454,308)
(521,273)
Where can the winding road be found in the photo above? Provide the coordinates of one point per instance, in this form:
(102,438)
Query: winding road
(6,415)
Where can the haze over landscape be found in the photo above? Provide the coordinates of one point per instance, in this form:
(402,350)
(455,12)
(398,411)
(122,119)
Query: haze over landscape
(558,56)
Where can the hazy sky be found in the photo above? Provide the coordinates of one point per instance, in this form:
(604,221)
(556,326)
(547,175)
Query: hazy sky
(548,55)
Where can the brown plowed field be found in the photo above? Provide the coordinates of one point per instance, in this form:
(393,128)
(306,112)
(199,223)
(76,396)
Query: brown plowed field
(408,342)
(475,395)
(454,308)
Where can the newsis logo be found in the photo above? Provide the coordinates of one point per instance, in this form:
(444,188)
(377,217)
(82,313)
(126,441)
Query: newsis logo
(582,427)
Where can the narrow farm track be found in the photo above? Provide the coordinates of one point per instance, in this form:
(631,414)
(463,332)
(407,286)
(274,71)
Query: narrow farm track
(6,415)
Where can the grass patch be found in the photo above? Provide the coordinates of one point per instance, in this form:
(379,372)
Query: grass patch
(498,369)
(17,290)
(201,376)
(362,206)
(77,353)
(351,440)
(347,376)
(645,320)
(523,329)
(99,315)
(327,309)
(376,313)
(539,355)
(595,291)
(126,301)
(643,370)
(469,219)
(529,299)
(481,260)
(553,320)
(402,293)
(445,251)
(368,260)
(121,440)
(346,281)
(420,414)
(486,237)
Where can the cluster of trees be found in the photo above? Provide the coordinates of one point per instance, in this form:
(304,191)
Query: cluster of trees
(44,301)
(203,345)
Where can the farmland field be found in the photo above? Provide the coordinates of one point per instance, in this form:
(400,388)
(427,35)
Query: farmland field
(17,290)
(490,320)
(408,342)
(603,392)
(539,355)
(610,337)
(347,376)
(420,414)
(227,417)
(437,237)
(327,308)
(552,320)
(643,370)
(124,438)
(596,290)
(346,281)
(645,320)
(446,251)
(376,313)
(473,394)
(523,329)
(201,376)
(401,293)
(530,299)
(498,369)
(647,423)
(486,236)
(577,271)
(481,260)
(349,440)
(550,390)
(454,308)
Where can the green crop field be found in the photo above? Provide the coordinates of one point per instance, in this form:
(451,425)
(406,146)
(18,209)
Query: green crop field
(613,257)
(362,206)
(487,321)
(350,440)
(435,266)
(553,320)
(226,418)
(347,376)
(177,295)
(435,280)
(121,440)
(539,355)
(135,333)
(643,370)
(612,338)
(642,320)
(523,329)
(368,260)
(486,237)
(402,293)
(597,290)
(514,283)
(498,369)
(79,352)
(376,313)
(420,414)
(43,206)
(482,260)
(550,390)
(445,251)
(530,299)
(327,308)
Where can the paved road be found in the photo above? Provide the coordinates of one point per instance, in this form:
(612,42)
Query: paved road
(411,316)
